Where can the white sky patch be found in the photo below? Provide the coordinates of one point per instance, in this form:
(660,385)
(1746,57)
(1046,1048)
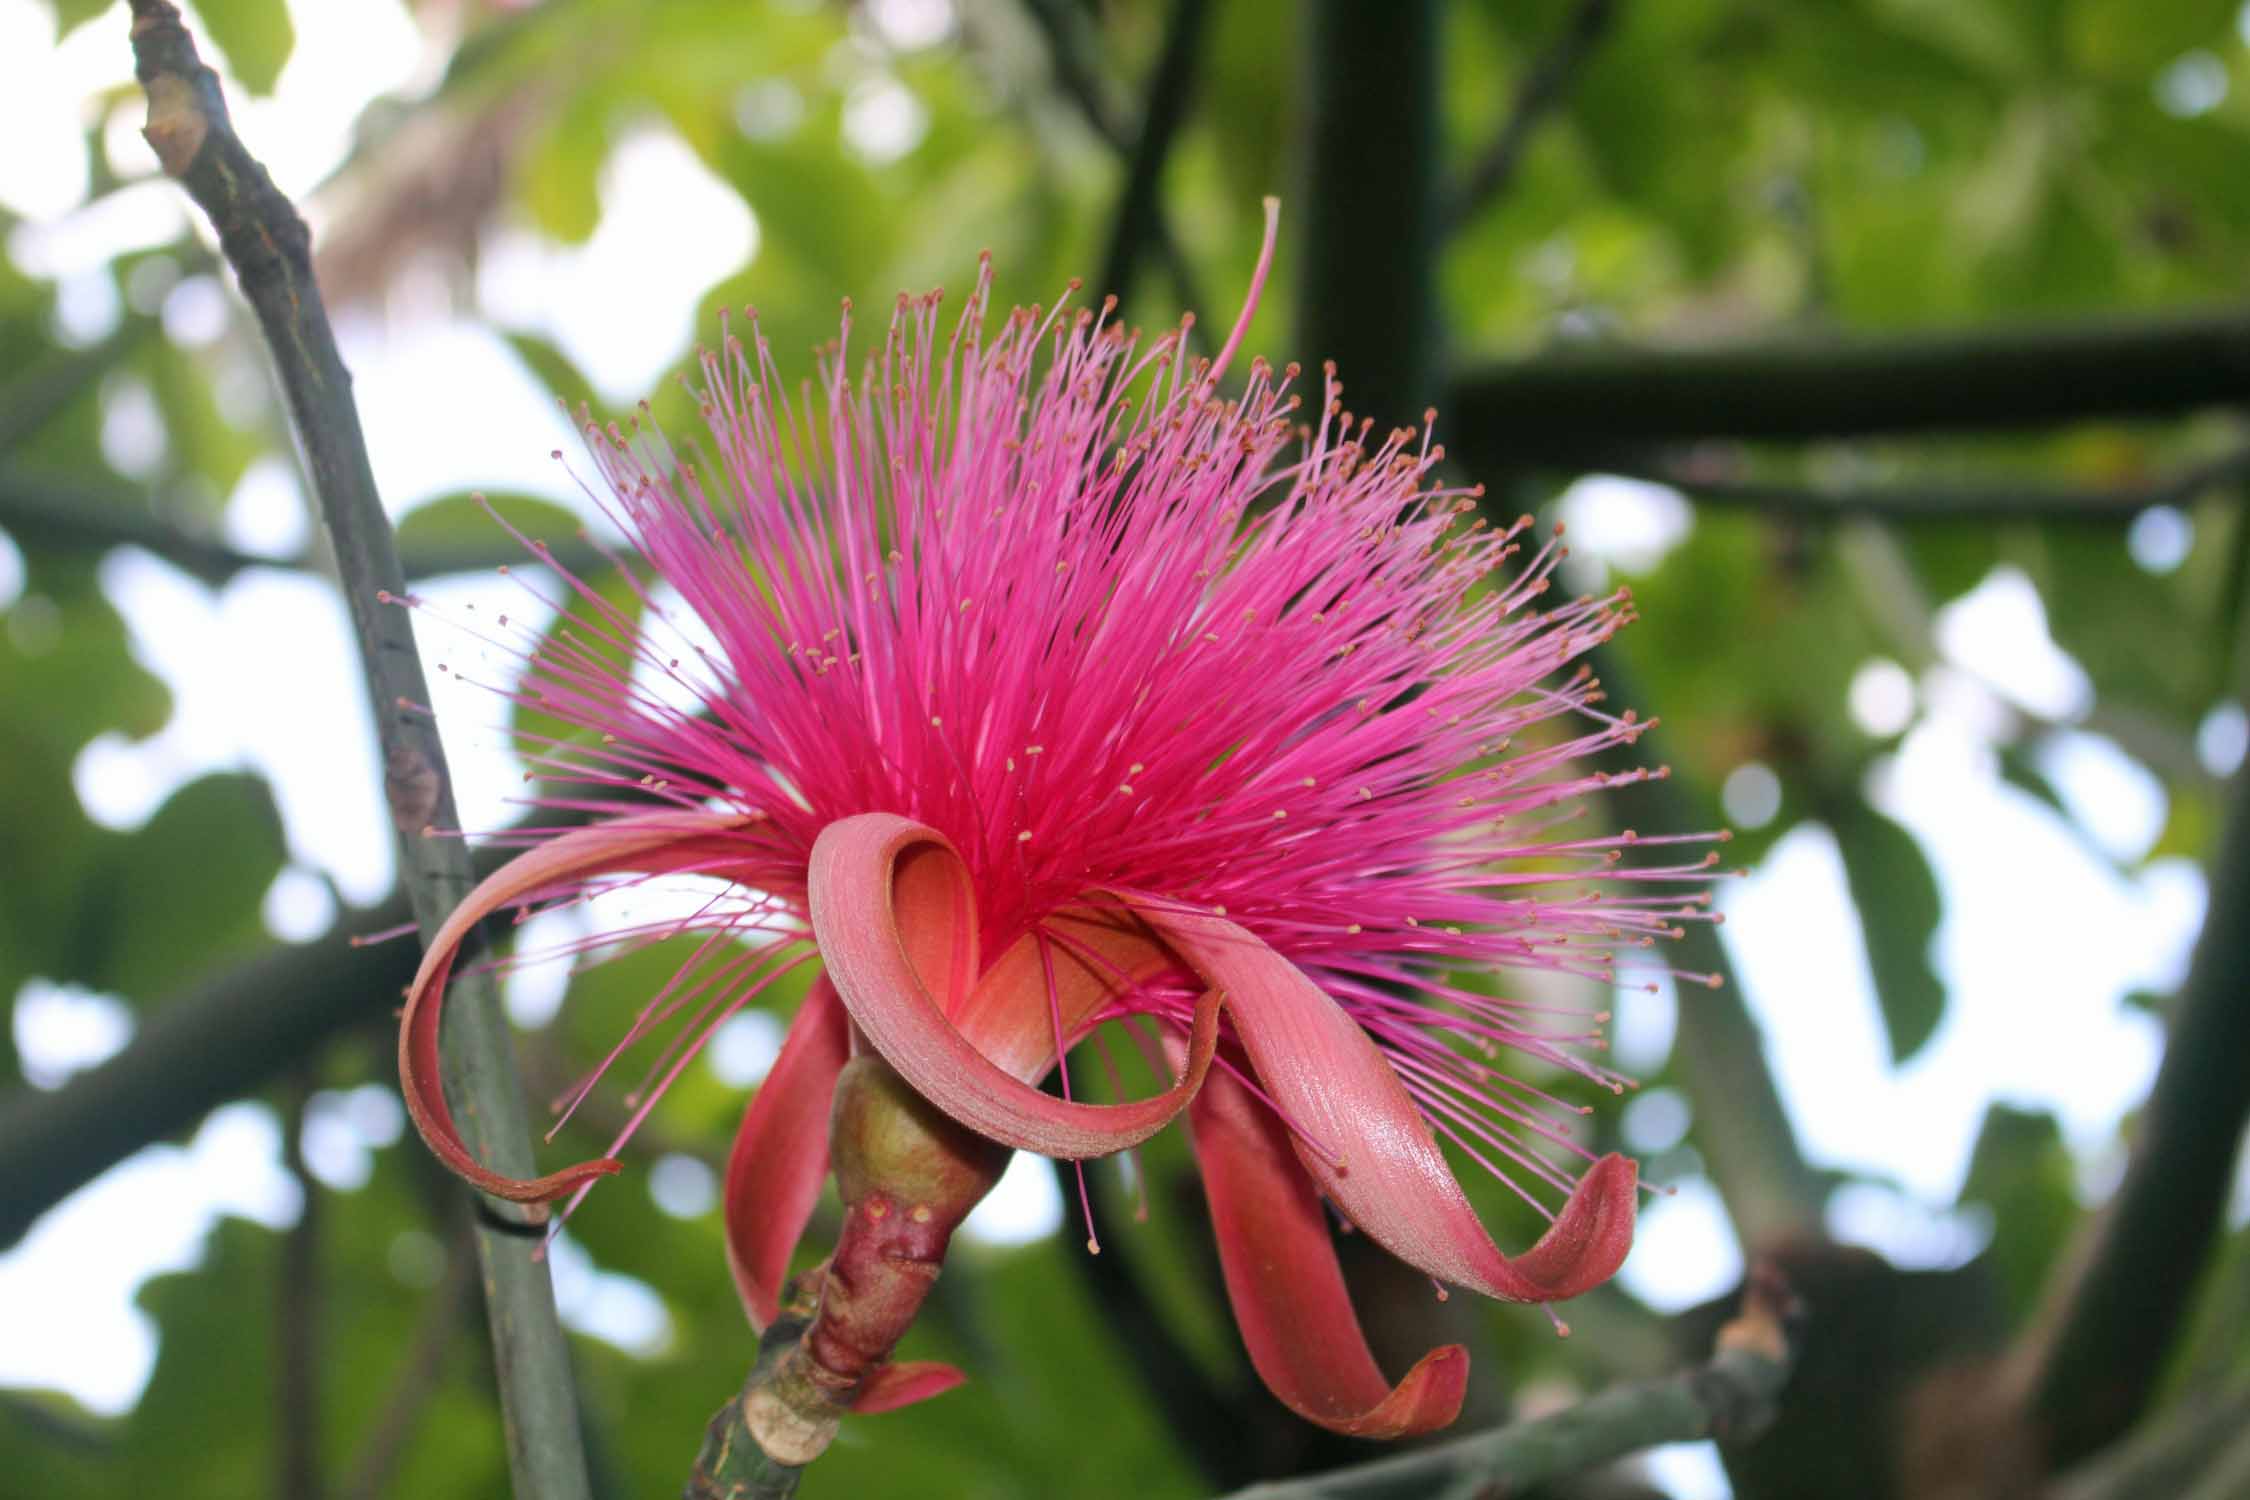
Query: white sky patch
(299,906)
(448,409)
(1644,1020)
(1684,1250)
(1881,697)
(262,673)
(66,1291)
(2118,801)
(1909,1234)
(2035,1016)
(1024,1206)
(622,305)
(1998,631)
(533,992)
(469,661)
(911,25)
(1751,795)
(266,514)
(683,1186)
(615,1308)
(12,573)
(1629,524)
(1688,1471)
(2160,538)
(2220,739)
(62,1029)
(883,120)
(669,669)
(742,1051)
(344,1128)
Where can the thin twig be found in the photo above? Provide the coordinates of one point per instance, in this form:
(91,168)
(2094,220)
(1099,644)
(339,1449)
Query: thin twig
(419,1376)
(1543,87)
(297,1308)
(1071,47)
(270,250)
(1139,216)
(69,513)
(1730,1398)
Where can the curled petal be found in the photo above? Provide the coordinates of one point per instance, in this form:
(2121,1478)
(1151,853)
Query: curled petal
(1288,1291)
(1333,1083)
(873,927)
(780,1155)
(904,1383)
(651,844)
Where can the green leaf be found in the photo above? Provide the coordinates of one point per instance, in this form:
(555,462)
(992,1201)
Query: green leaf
(456,533)
(552,368)
(2023,1173)
(181,897)
(1897,896)
(72,14)
(256,36)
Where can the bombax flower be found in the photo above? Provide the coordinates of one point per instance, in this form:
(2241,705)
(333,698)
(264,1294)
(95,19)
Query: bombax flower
(1037,684)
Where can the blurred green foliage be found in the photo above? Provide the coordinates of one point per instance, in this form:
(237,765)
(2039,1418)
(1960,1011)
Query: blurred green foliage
(1717,169)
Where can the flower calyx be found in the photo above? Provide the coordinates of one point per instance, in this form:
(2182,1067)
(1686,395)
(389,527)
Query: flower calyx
(909,1175)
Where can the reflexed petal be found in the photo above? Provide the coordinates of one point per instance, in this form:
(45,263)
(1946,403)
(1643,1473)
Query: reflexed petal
(895,1385)
(650,844)
(1327,1074)
(780,1155)
(872,927)
(1287,1289)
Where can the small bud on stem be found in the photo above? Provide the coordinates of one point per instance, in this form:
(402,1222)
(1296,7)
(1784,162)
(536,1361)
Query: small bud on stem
(909,1176)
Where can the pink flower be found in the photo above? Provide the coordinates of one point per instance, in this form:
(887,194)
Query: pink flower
(1050,688)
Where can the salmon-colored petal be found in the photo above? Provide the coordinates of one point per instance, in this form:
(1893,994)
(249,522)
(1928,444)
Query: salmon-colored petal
(648,844)
(1332,1081)
(780,1155)
(890,971)
(1288,1291)
(904,1383)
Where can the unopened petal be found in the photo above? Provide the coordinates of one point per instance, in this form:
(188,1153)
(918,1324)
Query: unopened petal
(780,1155)
(1378,1163)
(650,844)
(875,935)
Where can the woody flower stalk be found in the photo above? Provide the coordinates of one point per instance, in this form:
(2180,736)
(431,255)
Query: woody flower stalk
(1032,683)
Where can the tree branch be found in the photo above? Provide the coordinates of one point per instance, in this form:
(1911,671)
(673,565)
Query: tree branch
(419,1375)
(1576,406)
(1909,499)
(67,513)
(297,1314)
(1367,287)
(262,237)
(2090,1361)
(1070,51)
(1139,221)
(220,1040)
(1542,88)
(1730,1398)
